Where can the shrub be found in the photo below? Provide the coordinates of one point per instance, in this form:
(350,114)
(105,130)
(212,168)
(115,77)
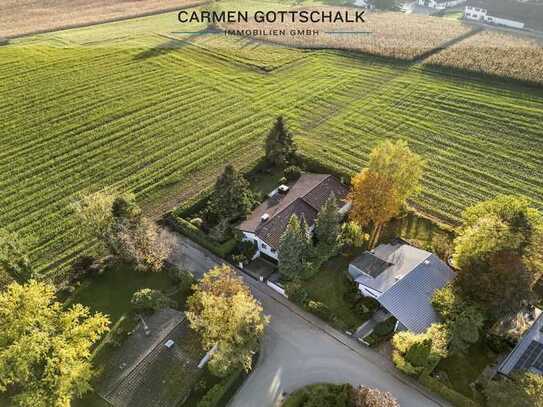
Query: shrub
(82,267)
(182,278)
(385,328)
(149,300)
(296,292)
(245,250)
(292,173)
(320,309)
(447,393)
(198,222)
(218,393)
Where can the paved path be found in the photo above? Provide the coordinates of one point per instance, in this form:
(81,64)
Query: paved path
(299,349)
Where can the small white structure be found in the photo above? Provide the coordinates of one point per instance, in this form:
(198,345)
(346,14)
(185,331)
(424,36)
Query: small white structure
(440,4)
(484,15)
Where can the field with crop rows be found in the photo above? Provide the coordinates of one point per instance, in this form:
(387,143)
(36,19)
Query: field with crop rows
(155,113)
(493,53)
(388,34)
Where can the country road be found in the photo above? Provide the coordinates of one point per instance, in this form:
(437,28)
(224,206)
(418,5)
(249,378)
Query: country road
(299,349)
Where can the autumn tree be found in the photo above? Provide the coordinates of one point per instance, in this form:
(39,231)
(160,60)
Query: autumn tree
(363,396)
(226,315)
(328,228)
(524,389)
(14,260)
(499,253)
(280,147)
(293,248)
(463,321)
(45,348)
(231,198)
(378,192)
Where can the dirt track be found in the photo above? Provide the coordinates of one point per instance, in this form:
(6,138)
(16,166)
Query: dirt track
(23,17)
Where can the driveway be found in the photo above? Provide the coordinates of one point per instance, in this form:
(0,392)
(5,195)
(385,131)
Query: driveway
(299,349)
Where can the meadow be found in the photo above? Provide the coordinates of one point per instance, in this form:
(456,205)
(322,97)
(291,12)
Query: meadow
(133,105)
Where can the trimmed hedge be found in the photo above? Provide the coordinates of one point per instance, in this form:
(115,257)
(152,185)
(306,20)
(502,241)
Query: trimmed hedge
(457,399)
(188,229)
(220,394)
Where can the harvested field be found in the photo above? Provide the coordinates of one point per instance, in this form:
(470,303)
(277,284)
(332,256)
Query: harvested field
(497,54)
(21,17)
(387,34)
(162,116)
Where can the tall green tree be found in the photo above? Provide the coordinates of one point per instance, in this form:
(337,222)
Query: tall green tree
(280,147)
(499,253)
(378,192)
(293,248)
(45,348)
(13,257)
(228,318)
(231,198)
(463,321)
(328,228)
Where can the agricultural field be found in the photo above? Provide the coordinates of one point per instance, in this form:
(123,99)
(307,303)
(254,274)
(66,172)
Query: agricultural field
(135,106)
(21,17)
(388,34)
(494,53)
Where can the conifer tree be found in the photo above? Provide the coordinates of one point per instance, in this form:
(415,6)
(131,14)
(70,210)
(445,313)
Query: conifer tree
(280,147)
(328,228)
(293,248)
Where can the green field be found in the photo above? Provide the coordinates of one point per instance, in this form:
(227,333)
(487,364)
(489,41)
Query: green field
(134,106)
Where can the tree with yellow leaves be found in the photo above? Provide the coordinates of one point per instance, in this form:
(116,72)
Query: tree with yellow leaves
(378,192)
(45,348)
(226,315)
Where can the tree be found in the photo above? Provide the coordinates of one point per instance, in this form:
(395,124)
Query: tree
(293,248)
(45,348)
(141,242)
(13,257)
(226,315)
(352,236)
(328,228)
(498,251)
(231,199)
(149,300)
(378,192)
(525,389)
(367,397)
(418,353)
(280,147)
(462,320)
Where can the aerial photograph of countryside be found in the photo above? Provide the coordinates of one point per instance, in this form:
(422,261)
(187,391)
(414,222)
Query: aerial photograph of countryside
(271,203)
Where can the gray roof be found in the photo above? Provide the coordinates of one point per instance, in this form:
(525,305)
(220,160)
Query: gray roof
(528,354)
(304,199)
(408,284)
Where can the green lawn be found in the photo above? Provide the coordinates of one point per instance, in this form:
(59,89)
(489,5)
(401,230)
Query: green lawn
(462,370)
(110,293)
(332,287)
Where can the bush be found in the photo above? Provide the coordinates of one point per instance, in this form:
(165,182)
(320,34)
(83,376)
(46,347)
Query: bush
(82,267)
(292,173)
(244,251)
(296,292)
(149,300)
(447,393)
(182,278)
(218,394)
(337,395)
(385,328)
(319,309)
(198,222)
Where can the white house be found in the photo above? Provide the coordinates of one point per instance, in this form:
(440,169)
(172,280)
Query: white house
(403,279)
(304,199)
(440,4)
(485,13)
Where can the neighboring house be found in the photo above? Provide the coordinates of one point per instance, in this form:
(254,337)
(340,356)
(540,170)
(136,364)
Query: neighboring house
(304,198)
(440,4)
(528,354)
(402,279)
(506,13)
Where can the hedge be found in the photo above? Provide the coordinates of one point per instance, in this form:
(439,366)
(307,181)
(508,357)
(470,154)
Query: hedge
(188,229)
(457,399)
(220,394)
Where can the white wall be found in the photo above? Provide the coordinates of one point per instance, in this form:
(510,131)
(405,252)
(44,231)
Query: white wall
(263,247)
(481,14)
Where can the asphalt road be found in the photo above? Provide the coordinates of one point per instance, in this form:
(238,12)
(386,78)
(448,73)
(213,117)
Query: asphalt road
(299,349)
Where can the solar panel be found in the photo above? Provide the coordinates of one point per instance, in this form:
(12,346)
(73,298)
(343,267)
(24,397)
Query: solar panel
(532,357)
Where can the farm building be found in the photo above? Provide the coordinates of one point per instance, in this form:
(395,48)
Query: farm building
(304,199)
(440,4)
(528,354)
(402,278)
(506,13)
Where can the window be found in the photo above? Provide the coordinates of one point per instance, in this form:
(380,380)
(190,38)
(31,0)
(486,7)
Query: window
(264,246)
(273,250)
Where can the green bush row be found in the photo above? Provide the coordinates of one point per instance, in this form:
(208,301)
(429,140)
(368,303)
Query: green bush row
(220,394)
(457,399)
(188,229)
